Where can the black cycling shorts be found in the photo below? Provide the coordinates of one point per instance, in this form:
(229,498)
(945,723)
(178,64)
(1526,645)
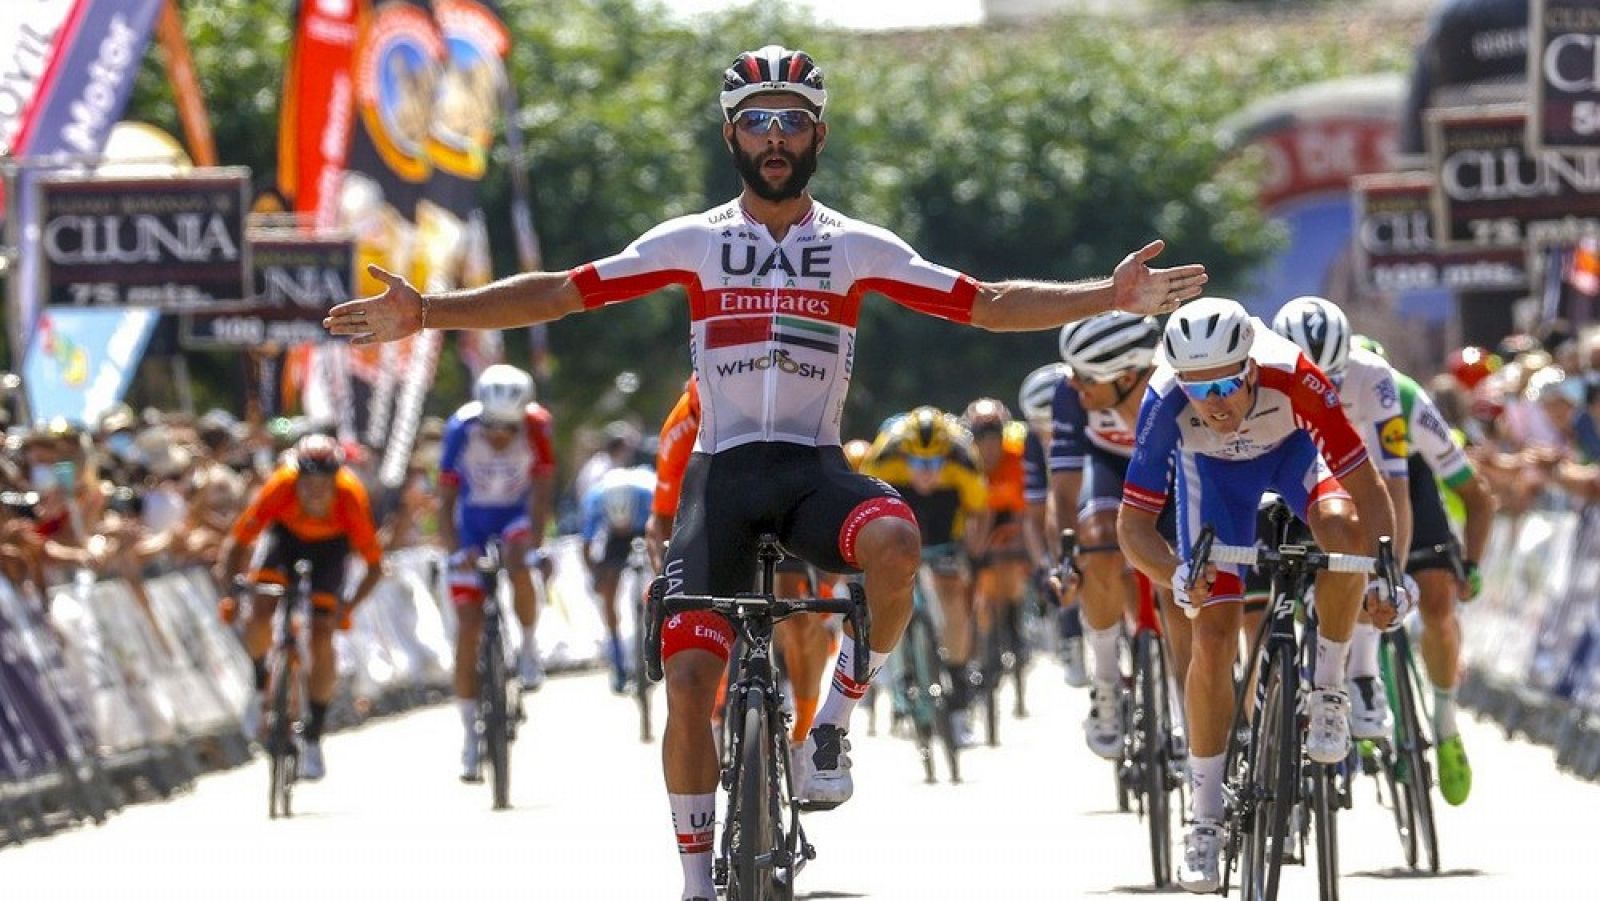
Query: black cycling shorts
(807,496)
(327,558)
(618,548)
(1430,525)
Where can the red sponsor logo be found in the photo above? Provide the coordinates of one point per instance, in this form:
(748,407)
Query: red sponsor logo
(864,513)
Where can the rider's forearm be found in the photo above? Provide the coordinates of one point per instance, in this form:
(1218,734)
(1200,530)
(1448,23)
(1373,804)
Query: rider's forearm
(519,300)
(1372,503)
(447,517)
(1144,547)
(540,506)
(1400,498)
(1480,506)
(1065,486)
(1033,532)
(1021,306)
(368,582)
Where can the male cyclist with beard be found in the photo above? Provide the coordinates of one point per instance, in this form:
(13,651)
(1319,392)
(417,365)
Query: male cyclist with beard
(496,475)
(775,282)
(1235,411)
(313,508)
(1111,358)
(930,460)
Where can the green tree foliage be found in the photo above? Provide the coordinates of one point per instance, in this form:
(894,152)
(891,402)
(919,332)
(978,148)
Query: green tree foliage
(1041,152)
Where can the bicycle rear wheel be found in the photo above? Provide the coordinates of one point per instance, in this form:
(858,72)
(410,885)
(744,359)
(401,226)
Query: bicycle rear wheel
(751,876)
(1153,731)
(1412,770)
(495,714)
(1274,766)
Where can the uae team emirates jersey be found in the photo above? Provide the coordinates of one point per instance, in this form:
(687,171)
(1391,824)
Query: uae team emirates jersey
(773,323)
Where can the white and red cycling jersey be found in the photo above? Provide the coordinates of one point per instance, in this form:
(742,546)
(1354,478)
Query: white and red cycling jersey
(1292,395)
(773,323)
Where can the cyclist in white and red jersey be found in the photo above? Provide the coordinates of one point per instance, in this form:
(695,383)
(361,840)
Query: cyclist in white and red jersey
(775,284)
(1237,411)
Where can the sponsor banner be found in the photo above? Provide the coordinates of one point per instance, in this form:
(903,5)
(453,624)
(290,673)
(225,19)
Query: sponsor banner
(294,281)
(398,54)
(1564,75)
(170,242)
(1395,250)
(78,98)
(79,362)
(466,105)
(318,109)
(1491,191)
(32,33)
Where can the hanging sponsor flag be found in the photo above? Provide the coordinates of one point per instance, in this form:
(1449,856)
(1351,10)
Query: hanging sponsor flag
(33,34)
(315,120)
(174,242)
(1583,274)
(1395,250)
(78,97)
(1492,191)
(79,362)
(398,52)
(1564,74)
(295,279)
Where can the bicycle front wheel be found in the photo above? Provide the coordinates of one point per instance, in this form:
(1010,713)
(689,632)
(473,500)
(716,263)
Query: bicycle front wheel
(1325,825)
(1274,766)
(280,739)
(1154,761)
(1413,773)
(641,685)
(750,878)
(496,715)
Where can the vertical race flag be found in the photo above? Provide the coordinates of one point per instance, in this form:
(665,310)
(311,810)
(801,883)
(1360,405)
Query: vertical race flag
(78,60)
(186,86)
(318,105)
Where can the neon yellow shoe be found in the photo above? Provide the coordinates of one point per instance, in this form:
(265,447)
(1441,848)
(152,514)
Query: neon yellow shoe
(1455,771)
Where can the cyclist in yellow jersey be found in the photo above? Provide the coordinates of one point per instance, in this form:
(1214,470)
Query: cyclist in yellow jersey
(930,459)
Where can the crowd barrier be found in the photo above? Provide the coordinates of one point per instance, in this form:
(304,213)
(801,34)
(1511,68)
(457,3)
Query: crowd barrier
(116,696)
(1531,642)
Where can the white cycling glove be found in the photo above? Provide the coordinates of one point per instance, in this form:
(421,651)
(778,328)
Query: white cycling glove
(1406,595)
(1180,594)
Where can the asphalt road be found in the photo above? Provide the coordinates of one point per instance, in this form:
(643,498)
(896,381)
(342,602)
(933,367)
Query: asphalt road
(1034,819)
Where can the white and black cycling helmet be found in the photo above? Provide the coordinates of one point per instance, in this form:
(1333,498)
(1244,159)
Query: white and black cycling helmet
(1207,333)
(1039,391)
(1103,347)
(772,69)
(1320,328)
(504,393)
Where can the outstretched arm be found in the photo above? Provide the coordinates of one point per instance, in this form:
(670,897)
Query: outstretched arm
(1015,306)
(401,311)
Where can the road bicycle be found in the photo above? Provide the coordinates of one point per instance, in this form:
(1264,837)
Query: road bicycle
(762,846)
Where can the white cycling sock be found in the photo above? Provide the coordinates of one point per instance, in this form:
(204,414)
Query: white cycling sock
(1364,651)
(468,708)
(1331,657)
(694,822)
(530,645)
(845,691)
(1103,645)
(1444,714)
(1205,781)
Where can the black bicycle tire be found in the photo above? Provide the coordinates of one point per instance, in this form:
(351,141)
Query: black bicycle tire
(641,685)
(280,739)
(1414,745)
(1275,751)
(1153,745)
(1325,826)
(1119,768)
(938,677)
(1405,811)
(754,813)
(920,705)
(994,673)
(496,714)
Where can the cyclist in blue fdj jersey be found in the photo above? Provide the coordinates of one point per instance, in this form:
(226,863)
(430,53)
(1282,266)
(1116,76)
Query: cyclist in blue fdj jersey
(1237,410)
(775,283)
(495,479)
(614,513)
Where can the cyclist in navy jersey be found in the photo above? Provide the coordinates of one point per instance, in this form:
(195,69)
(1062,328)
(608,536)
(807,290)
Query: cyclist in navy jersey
(775,283)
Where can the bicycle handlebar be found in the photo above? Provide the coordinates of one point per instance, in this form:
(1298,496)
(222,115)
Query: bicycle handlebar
(751,605)
(1206,551)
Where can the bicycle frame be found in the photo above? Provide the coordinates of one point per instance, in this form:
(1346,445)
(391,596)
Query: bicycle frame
(287,686)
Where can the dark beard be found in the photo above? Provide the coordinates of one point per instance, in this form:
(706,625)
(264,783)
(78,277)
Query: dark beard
(801,168)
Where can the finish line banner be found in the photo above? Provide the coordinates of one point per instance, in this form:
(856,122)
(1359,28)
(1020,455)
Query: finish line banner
(172,242)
